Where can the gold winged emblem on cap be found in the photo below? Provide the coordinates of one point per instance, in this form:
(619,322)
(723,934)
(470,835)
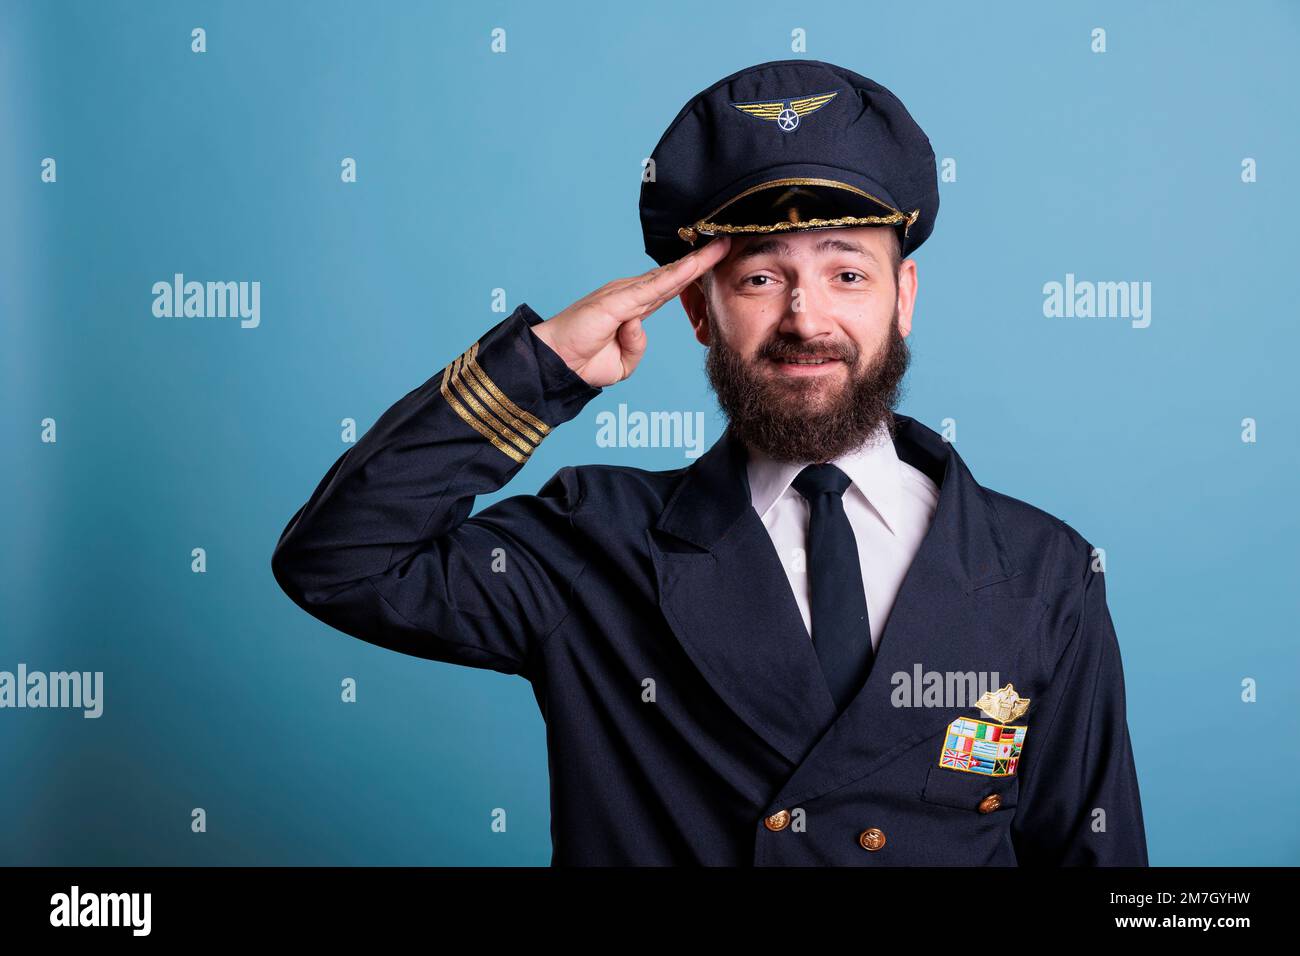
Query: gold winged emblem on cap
(1003,704)
(786,113)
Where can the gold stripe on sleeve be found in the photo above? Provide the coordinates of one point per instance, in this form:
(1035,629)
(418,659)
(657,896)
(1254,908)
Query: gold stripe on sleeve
(473,422)
(486,417)
(471,377)
(471,361)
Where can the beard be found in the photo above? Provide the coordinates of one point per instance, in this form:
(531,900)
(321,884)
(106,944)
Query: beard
(805,419)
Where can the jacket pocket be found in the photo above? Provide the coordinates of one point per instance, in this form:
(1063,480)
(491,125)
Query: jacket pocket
(978,793)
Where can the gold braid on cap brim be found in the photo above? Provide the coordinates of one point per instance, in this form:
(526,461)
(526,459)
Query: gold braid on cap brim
(706,227)
(702,228)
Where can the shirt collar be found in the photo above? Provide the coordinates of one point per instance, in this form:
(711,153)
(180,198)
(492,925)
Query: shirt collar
(873,467)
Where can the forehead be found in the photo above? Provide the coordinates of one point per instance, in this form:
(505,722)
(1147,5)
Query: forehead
(867,242)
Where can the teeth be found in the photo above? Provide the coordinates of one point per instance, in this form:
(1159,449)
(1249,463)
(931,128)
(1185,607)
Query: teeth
(820,361)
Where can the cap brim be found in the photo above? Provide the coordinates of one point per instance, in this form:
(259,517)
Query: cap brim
(798,197)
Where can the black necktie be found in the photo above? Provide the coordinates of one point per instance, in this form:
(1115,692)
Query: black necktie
(841,631)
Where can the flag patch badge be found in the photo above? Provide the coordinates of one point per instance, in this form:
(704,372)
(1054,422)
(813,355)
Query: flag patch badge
(977,746)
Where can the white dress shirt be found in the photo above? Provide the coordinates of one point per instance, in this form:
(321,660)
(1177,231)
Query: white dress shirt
(889,506)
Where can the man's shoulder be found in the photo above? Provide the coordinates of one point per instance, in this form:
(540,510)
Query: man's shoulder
(620,486)
(1034,537)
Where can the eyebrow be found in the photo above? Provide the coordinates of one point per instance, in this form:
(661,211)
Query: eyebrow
(762,247)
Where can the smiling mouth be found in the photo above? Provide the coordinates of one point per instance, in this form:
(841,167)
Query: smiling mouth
(805,361)
(804,366)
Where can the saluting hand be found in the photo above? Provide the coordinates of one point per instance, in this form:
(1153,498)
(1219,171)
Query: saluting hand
(600,336)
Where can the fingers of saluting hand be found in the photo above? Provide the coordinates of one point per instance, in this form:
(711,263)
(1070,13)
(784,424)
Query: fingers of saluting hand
(646,293)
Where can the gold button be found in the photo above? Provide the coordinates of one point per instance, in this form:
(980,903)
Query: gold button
(990,803)
(778,821)
(872,839)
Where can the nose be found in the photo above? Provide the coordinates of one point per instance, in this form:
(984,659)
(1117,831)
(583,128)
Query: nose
(806,317)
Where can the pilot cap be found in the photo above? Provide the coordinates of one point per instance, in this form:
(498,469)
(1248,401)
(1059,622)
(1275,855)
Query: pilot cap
(788,145)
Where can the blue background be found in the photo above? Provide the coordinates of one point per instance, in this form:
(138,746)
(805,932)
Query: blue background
(521,171)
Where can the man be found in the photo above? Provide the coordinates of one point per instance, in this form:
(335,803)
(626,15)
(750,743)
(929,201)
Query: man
(735,660)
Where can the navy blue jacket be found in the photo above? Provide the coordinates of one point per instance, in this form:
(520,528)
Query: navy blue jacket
(687,717)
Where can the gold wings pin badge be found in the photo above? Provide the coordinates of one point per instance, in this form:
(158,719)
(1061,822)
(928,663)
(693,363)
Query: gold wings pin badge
(1003,704)
(786,113)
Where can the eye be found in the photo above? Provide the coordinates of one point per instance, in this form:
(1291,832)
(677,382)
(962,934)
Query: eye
(852,278)
(757,281)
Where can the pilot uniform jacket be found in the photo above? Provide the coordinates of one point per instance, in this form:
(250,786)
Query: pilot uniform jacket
(687,717)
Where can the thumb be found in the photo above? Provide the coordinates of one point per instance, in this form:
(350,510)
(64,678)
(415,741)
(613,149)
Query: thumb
(631,337)
(631,344)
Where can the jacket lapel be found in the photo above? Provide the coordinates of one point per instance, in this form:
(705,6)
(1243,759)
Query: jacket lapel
(725,594)
(941,621)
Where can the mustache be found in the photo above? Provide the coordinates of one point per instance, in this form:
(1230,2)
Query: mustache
(786,349)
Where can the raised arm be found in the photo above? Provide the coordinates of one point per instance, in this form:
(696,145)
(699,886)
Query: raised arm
(385,550)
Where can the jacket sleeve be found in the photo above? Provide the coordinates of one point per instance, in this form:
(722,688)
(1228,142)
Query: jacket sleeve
(384,549)
(1079,803)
